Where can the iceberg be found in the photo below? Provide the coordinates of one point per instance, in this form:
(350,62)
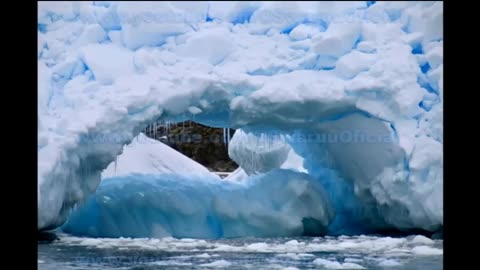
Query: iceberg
(355,90)
(280,202)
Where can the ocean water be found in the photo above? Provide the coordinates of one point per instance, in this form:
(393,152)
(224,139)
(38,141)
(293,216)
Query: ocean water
(344,252)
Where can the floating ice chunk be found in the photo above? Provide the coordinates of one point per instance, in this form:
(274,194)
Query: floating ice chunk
(389,263)
(292,243)
(171,263)
(90,242)
(295,256)
(353,260)
(203,255)
(420,239)
(426,251)
(336,265)
(257,247)
(217,264)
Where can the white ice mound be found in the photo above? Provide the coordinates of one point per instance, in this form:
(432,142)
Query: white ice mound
(149,156)
(278,203)
(108,70)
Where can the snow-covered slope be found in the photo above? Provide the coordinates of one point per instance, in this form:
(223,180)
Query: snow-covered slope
(357,87)
(148,156)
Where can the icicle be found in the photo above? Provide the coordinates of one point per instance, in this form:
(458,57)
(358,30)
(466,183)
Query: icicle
(224,136)
(228,137)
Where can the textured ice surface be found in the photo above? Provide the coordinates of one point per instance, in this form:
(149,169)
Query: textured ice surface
(278,203)
(370,73)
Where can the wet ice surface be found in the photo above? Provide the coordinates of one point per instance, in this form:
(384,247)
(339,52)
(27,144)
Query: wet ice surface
(357,252)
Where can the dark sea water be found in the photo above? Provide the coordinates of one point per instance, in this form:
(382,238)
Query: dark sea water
(358,252)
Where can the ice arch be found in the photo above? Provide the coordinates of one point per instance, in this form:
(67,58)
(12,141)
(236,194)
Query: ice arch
(378,69)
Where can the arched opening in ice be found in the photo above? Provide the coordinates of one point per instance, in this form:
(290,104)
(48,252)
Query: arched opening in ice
(105,77)
(353,179)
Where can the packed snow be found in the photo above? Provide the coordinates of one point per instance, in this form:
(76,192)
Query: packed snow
(356,91)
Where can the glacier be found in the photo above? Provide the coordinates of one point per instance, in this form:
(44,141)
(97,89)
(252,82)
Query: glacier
(355,90)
